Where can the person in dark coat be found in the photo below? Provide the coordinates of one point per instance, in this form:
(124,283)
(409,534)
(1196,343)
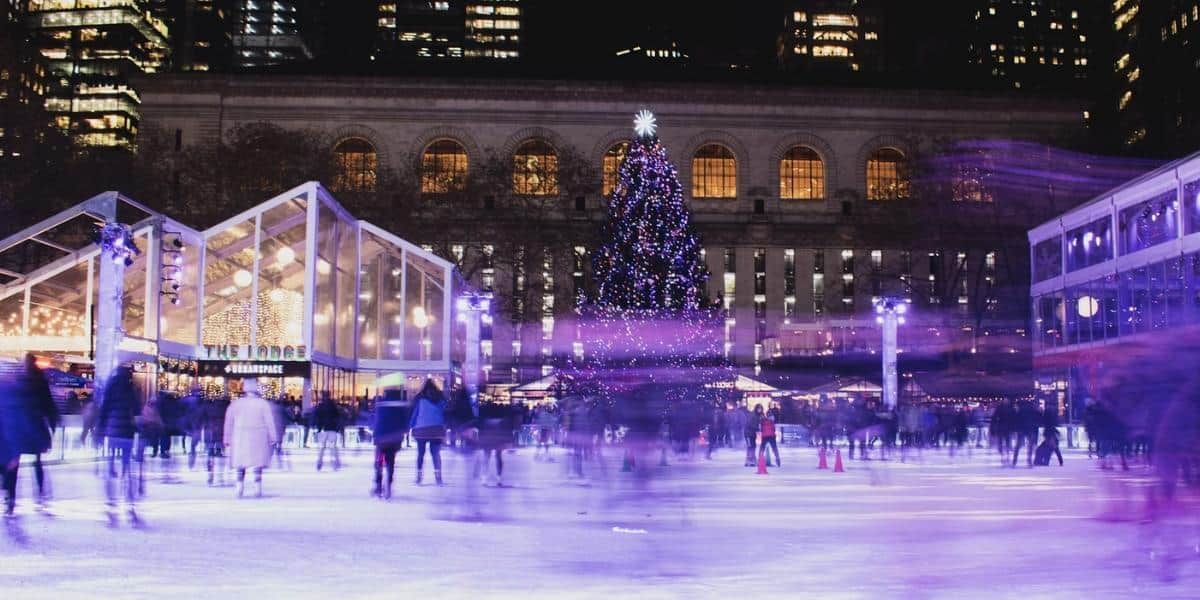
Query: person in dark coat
(496,425)
(428,425)
(214,437)
(191,409)
(753,423)
(1028,420)
(716,429)
(118,407)
(390,428)
(170,410)
(27,419)
(327,419)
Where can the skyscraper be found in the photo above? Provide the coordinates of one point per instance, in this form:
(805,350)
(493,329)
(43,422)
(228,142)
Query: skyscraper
(1155,66)
(449,29)
(269,33)
(418,29)
(201,33)
(1035,44)
(493,29)
(22,85)
(832,36)
(93,49)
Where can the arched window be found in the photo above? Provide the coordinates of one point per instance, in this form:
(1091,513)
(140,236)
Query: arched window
(612,165)
(887,175)
(443,168)
(354,166)
(714,172)
(801,175)
(535,169)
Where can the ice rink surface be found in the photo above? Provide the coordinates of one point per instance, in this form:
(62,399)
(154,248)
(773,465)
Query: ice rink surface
(933,527)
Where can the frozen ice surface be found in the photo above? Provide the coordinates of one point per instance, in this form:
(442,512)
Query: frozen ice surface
(939,528)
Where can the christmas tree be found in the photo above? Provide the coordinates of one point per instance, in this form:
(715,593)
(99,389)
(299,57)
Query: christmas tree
(651,259)
(649,322)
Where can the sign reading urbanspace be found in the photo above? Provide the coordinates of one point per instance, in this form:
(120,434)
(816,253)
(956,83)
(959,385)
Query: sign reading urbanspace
(236,369)
(248,352)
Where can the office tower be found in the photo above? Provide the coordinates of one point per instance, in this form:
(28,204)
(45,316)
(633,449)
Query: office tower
(832,36)
(269,33)
(1035,44)
(93,49)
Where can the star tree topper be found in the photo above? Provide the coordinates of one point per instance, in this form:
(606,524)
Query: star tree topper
(644,123)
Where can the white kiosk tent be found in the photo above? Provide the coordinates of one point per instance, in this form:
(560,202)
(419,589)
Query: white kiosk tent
(295,278)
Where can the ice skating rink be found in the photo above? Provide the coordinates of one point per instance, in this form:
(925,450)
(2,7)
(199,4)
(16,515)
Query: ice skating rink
(931,527)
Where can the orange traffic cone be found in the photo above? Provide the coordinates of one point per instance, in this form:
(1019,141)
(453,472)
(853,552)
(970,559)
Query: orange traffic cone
(823,463)
(837,462)
(762,463)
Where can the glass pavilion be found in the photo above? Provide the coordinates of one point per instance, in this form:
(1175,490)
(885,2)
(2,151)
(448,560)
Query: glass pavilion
(1113,275)
(295,287)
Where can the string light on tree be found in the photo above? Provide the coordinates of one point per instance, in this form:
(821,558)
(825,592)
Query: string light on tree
(648,321)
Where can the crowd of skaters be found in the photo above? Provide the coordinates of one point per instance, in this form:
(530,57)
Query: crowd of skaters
(243,434)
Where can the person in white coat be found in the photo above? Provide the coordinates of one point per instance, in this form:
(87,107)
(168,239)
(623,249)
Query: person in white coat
(250,435)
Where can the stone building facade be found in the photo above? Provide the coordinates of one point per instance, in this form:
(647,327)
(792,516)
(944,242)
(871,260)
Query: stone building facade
(810,201)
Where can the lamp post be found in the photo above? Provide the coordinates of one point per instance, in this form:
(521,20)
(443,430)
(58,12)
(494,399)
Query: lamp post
(471,307)
(889,313)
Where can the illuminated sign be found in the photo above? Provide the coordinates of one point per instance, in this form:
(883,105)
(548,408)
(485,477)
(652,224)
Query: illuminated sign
(235,369)
(248,352)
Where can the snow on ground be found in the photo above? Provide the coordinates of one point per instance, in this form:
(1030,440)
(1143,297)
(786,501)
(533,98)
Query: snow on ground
(934,528)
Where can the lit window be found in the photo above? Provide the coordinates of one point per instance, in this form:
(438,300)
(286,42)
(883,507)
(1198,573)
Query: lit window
(1125,98)
(801,175)
(714,173)
(443,168)
(834,51)
(612,165)
(535,169)
(968,185)
(887,175)
(355,165)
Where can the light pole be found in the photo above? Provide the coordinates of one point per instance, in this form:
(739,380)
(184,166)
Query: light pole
(889,313)
(471,308)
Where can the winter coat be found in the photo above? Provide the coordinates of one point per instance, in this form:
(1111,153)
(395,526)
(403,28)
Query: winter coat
(118,407)
(28,414)
(171,410)
(428,420)
(327,417)
(496,425)
(192,410)
(214,421)
(767,426)
(753,422)
(391,422)
(250,432)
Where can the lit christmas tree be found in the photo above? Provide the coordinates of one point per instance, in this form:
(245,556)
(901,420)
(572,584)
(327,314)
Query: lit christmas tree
(651,260)
(649,322)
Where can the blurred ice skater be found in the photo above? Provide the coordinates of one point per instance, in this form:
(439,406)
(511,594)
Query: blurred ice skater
(28,418)
(115,422)
(250,435)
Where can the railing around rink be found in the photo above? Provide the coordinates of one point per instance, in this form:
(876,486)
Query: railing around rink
(67,447)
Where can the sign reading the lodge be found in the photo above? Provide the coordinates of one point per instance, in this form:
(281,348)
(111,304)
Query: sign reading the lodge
(248,352)
(235,369)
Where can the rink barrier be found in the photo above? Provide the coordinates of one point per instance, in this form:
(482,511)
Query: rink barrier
(66,446)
